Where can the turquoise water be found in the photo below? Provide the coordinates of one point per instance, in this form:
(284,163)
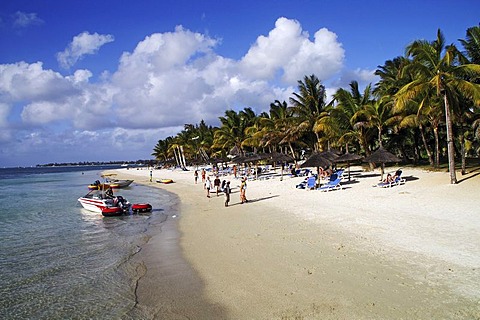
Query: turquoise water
(58,260)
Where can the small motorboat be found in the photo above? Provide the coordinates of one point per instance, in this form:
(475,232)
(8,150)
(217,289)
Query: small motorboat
(97,185)
(100,201)
(109,183)
(117,184)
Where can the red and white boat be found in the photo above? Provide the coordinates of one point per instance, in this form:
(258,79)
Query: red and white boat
(98,201)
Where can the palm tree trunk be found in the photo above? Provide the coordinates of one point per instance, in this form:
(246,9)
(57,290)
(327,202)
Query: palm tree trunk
(425,145)
(450,146)
(184,165)
(462,150)
(293,152)
(380,136)
(437,147)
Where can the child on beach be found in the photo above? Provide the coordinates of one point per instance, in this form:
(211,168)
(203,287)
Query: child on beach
(227,192)
(208,186)
(216,184)
(196,176)
(243,190)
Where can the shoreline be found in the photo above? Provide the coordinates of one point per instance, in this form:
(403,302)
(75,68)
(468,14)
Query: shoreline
(295,253)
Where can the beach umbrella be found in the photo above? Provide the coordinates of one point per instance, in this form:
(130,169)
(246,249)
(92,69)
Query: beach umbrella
(330,155)
(382,156)
(251,158)
(316,160)
(348,157)
(278,156)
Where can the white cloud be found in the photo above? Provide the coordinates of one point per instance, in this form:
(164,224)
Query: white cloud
(169,79)
(288,50)
(81,45)
(22,81)
(362,76)
(24,19)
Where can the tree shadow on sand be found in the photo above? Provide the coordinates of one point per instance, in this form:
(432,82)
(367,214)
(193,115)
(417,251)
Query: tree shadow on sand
(467,178)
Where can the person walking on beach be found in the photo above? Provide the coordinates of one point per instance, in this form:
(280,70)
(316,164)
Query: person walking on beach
(208,186)
(216,183)
(196,176)
(227,192)
(203,177)
(243,190)
(151,175)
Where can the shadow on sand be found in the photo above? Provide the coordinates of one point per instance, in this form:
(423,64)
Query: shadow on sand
(254,200)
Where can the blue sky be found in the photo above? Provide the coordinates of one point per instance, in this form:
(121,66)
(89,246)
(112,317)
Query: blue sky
(105,80)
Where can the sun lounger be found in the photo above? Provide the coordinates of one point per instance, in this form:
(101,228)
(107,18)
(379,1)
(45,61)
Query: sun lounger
(332,185)
(396,182)
(311,183)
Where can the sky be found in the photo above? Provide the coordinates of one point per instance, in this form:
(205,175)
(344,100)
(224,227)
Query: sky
(89,80)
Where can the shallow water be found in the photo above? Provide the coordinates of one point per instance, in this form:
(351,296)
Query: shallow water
(58,260)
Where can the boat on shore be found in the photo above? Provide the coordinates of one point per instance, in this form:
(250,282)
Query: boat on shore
(108,205)
(104,203)
(110,183)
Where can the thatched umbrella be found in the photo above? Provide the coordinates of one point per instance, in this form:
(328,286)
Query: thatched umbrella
(382,156)
(252,158)
(316,160)
(329,155)
(348,157)
(278,156)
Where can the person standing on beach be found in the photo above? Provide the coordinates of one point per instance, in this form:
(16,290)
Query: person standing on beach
(243,190)
(151,175)
(227,192)
(203,177)
(216,183)
(195,174)
(208,186)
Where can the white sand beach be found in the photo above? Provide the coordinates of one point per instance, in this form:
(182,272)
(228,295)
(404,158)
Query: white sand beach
(407,252)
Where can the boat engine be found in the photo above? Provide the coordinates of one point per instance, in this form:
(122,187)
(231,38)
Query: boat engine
(121,202)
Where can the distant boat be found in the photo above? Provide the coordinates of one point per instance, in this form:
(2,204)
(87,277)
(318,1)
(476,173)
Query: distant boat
(109,183)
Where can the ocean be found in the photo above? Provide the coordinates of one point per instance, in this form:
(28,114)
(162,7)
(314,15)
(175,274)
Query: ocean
(59,261)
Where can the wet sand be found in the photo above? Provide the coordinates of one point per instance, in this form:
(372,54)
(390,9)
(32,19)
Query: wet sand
(297,254)
(168,287)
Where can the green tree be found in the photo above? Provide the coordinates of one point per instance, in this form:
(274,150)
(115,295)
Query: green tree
(161,149)
(232,131)
(308,105)
(438,73)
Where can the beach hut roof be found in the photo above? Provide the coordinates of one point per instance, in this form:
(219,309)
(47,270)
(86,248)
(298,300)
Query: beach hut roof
(347,157)
(316,160)
(382,156)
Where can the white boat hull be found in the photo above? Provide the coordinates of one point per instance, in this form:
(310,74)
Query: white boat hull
(94,205)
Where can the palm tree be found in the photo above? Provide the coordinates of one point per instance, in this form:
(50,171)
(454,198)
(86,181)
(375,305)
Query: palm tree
(439,73)
(160,151)
(379,114)
(394,75)
(232,132)
(309,106)
(471,44)
(344,118)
